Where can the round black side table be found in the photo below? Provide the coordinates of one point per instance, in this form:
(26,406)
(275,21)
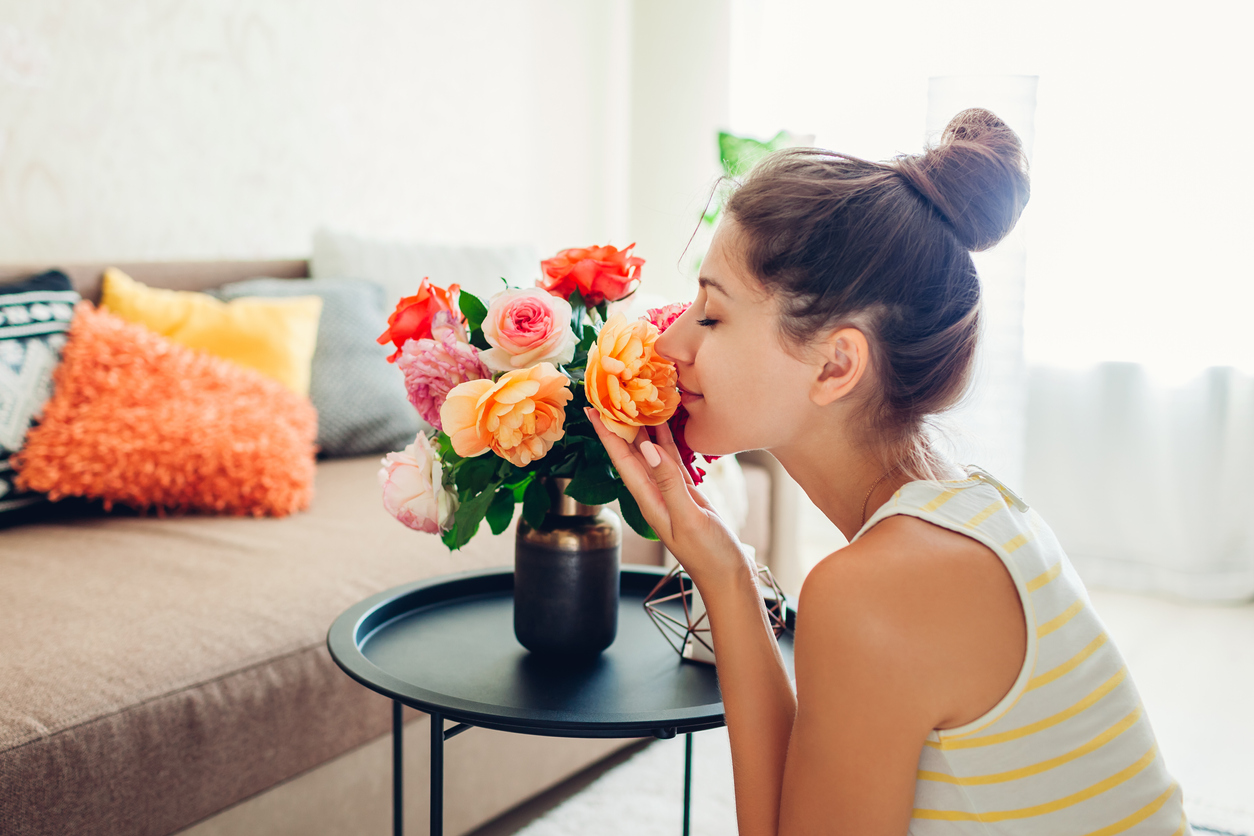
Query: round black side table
(446,646)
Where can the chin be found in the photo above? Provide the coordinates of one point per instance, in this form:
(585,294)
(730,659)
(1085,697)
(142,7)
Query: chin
(699,443)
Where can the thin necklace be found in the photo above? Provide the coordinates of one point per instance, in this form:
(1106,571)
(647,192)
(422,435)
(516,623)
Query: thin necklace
(874,485)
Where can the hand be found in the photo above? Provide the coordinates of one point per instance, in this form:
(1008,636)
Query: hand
(679,513)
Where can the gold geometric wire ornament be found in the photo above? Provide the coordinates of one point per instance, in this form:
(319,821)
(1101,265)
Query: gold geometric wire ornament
(691,636)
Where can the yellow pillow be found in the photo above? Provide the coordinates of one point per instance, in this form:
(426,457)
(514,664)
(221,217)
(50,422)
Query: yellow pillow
(276,337)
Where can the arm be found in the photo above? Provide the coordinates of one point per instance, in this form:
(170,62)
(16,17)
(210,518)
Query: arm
(864,705)
(842,755)
(758,700)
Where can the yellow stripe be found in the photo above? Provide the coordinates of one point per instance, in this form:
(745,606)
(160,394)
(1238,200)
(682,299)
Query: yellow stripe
(1011,545)
(940,500)
(1045,577)
(1140,816)
(1049,807)
(1067,666)
(1040,725)
(985,514)
(1056,622)
(1037,768)
(1183,821)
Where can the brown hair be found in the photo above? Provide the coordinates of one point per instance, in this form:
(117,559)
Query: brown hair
(886,247)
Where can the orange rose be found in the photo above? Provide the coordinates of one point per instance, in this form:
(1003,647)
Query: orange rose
(519,417)
(627,381)
(412,318)
(598,273)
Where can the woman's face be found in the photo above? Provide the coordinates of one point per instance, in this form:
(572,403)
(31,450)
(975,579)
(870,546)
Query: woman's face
(742,389)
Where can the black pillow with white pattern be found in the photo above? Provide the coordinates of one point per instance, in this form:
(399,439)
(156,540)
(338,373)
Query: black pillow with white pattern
(35,315)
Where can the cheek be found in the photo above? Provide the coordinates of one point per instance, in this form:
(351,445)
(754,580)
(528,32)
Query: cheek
(747,399)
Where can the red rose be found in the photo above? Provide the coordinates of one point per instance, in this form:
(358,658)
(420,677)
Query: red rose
(664,318)
(412,318)
(598,273)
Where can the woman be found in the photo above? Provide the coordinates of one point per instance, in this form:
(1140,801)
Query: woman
(951,676)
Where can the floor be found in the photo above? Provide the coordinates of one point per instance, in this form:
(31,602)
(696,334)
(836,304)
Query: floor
(1193,663)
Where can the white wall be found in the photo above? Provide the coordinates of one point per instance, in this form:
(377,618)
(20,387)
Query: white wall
(679,101)
(143,129)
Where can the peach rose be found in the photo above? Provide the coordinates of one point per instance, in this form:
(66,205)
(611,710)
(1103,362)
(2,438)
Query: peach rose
(413,489)
(627,381)
(519,417)
(525,327)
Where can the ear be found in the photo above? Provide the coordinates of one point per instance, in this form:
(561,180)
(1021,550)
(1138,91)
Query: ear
(843,358)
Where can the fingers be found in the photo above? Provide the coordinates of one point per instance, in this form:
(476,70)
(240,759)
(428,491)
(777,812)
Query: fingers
(630,464)
(667,440)
(668,474)
(651,455)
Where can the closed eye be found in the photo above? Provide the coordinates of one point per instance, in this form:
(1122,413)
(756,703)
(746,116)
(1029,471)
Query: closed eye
(706,323)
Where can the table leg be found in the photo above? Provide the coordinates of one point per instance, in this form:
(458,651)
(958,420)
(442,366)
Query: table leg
(398,785)
(437,774)
(687,779)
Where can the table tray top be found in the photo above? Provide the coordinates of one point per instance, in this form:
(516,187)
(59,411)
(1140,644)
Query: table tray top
(447,645)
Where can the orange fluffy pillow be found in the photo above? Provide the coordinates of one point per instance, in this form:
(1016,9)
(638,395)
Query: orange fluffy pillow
(138,419)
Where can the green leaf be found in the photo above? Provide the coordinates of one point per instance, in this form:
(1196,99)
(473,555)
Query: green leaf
(479,341)
(602,309)
(474,475)
(593,484)
(466,521)
(501,512)
(631,513)
(473,309)
(536,503)
(520,488)
(577,311)
(741,153)
(444,448)
(589,337)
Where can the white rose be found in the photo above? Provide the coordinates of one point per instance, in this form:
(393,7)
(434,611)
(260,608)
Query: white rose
(412,488)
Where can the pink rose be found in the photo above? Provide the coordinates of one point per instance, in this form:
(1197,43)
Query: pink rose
(526,327)
(665,316)
(433,367)
(413,489)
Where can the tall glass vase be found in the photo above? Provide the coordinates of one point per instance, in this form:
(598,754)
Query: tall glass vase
(566,578)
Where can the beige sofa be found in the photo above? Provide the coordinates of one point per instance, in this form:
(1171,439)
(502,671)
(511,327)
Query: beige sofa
(170,675)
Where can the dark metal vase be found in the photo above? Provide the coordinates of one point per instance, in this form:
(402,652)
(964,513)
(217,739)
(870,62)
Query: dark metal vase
(566,578)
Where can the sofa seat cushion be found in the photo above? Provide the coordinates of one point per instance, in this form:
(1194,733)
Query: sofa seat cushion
(157,670)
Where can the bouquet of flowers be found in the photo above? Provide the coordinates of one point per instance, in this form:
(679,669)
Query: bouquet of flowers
(504,383)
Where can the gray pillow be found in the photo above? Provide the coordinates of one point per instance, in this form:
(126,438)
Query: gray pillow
(360,397)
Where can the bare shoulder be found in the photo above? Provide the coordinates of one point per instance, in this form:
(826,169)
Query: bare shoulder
(927,606)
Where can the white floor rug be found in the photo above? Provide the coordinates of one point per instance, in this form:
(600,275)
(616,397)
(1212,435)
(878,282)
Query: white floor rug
(644,796)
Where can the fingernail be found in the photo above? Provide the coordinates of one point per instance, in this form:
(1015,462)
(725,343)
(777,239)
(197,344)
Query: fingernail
(587,410)
(651,454)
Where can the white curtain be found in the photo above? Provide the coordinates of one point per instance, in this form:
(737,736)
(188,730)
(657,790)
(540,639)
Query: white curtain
(1147,483)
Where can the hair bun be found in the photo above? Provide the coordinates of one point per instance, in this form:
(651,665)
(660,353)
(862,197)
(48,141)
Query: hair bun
(976,178)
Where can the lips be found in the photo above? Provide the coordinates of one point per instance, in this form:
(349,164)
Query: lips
(686,395)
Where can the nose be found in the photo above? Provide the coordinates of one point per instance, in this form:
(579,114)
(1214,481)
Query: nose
(674,343)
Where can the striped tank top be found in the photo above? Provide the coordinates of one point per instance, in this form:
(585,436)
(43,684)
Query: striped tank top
(1068,751)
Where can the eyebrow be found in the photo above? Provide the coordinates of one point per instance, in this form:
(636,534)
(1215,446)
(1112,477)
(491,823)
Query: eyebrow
(704,281)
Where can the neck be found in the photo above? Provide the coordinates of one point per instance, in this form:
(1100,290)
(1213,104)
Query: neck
(836,473)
